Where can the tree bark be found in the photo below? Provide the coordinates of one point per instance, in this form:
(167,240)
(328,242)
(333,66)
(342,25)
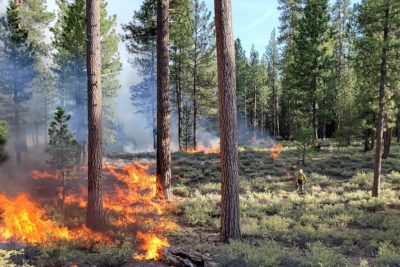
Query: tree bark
(387,140)
(230,210)
(95,213)
(163,102)
(379,129)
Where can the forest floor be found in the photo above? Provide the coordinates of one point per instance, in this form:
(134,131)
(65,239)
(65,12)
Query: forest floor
(337,223)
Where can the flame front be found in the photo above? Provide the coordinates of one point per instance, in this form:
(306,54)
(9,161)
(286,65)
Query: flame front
(276,151)
(25,221)
(213,149)
(129,199)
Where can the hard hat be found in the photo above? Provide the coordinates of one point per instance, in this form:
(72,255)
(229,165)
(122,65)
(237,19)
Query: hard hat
(300,171)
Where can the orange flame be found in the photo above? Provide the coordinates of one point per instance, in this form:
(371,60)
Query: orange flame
(23,220)
(276,151)
(129,198)
(213,149)
(38,175)
(152,245)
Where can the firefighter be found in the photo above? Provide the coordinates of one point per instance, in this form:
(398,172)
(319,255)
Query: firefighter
(301,180)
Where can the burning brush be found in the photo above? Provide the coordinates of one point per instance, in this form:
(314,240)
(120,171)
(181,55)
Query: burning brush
(129,200)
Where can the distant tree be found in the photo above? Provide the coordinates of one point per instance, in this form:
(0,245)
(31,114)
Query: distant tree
(271,59)
(201,55)
(62,148)
(181,45)
(230,210)
(256,81)
(242,69)
(17,72)
(163,102)
(140,36)
(344,76)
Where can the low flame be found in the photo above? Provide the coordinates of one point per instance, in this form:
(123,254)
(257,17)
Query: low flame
(38,175)
(129,199)
(152,245)
(213,149)
(276,151)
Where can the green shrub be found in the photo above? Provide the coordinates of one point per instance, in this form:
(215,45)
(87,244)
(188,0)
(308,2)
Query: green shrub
(266,254)
(69,253)
(319,255)
(3,132)
(363,180)
(201,209)
(388,255)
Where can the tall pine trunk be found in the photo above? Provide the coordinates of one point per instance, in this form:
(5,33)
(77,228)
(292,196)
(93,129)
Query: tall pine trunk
(379,129)
(95,213)
(163,105)
(230,210)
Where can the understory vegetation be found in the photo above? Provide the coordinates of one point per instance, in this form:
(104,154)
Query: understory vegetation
(337,223)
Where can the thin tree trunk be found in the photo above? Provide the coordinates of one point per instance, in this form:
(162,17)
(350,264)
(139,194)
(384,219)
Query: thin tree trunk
(179,103)
(314,108)
(95,213)
(195,107)
(163,105)
(387,140)
(379,130)
(230,210)
(366,142)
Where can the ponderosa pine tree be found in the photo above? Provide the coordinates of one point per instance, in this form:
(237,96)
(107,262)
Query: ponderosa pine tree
(311,63)
(95,214)
(163,102)
(230,210)
(70,66)
(181,44)
(201,55)
(379,26)
(291,11)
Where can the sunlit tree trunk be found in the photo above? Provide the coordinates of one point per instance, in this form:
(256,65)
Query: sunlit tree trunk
(95,213)
(163,102)
(230,210)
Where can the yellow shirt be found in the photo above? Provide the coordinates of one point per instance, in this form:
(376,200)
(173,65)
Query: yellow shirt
(301,177)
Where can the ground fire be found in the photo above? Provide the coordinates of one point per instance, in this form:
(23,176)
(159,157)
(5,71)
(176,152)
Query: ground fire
(276,151)
(129,200)
(213,149)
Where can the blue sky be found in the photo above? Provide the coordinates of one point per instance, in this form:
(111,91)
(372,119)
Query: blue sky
(253,20)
